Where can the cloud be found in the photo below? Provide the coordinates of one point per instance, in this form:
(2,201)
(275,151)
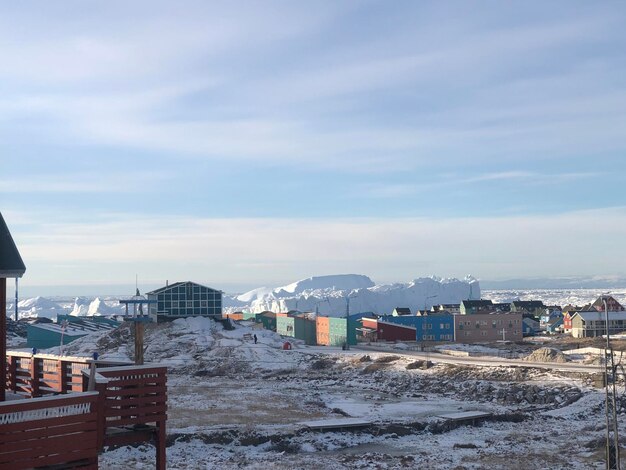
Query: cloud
(81,182)
(245,250)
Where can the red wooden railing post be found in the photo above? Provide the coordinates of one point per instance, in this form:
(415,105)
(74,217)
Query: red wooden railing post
(34,377)
(160,445)
(101,389)
(12,374)
(63,378)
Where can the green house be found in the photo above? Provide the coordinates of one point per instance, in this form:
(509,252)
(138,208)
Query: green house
(285,326)
(305,330)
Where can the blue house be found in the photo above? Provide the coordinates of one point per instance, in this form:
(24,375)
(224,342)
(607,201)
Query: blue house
(555,325)
(530,326)
(427,327)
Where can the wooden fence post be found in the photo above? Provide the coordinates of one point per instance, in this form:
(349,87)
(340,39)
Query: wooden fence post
(63,378)
(34,377)
(160,445)
(101,389)
(12,374)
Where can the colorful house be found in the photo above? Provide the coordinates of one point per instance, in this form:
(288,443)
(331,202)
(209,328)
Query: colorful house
(554,325)
(388,331)
(488,327)
(592,324)
(433,327)
(471,307)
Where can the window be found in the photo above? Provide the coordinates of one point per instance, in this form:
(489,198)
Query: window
(483,333)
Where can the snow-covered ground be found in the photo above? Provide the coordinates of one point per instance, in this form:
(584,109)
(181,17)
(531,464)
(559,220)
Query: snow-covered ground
(236,404)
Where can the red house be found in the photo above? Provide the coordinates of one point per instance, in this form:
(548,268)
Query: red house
(395,332)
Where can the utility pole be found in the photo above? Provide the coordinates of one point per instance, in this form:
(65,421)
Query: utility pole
(612,442)
(347,321)
(16,316)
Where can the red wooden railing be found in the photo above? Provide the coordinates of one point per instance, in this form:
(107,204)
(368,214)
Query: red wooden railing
(49,431)
(43,374)
(133,406)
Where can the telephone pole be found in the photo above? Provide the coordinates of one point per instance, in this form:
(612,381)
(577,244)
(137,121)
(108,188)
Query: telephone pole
(612,435)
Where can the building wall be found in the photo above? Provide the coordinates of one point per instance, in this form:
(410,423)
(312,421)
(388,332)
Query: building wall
(394,332)
(285,326)
(429,327)
(592,329)
(186,299)
(305,330)
(43,339)
(322,329)
(487,327)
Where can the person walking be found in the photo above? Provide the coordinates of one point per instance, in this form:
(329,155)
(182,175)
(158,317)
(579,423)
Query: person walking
(255,338)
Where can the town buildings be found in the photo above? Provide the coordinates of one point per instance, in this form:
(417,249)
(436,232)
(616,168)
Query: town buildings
(184,299)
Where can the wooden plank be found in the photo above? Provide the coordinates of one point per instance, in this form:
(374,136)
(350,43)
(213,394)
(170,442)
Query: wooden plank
(42,423)
(132,370)
(160,381)
(43,432)
(50,460)
(136,411)
(48,402)
(136,391)
(136,420)
(53,443)
(135,401)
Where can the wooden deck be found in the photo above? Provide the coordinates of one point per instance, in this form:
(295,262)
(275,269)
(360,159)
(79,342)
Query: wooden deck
(117,405)
(50,431)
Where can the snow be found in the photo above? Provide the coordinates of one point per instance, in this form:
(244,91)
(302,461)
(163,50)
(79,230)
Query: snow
(328,294)
(236,404)
(37,307)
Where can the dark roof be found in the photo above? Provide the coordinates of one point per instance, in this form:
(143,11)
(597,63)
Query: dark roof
(528,304)
(403,310)
(477,303)
(164,288)
(11,264)
(555,320)
(599,302)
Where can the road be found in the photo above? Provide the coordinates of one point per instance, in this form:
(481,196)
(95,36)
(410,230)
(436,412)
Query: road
(485,360)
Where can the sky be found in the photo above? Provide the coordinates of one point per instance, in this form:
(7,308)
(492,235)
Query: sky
(242,144)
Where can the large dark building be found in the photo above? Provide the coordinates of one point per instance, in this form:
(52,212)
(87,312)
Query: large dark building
(185,299)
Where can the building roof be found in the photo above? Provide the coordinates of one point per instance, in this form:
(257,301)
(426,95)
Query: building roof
(477,303)
(528,304)
(600,316)
(599,302)
(11,264)
(402,310)
(555,320)
(400,325)
(176,284)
